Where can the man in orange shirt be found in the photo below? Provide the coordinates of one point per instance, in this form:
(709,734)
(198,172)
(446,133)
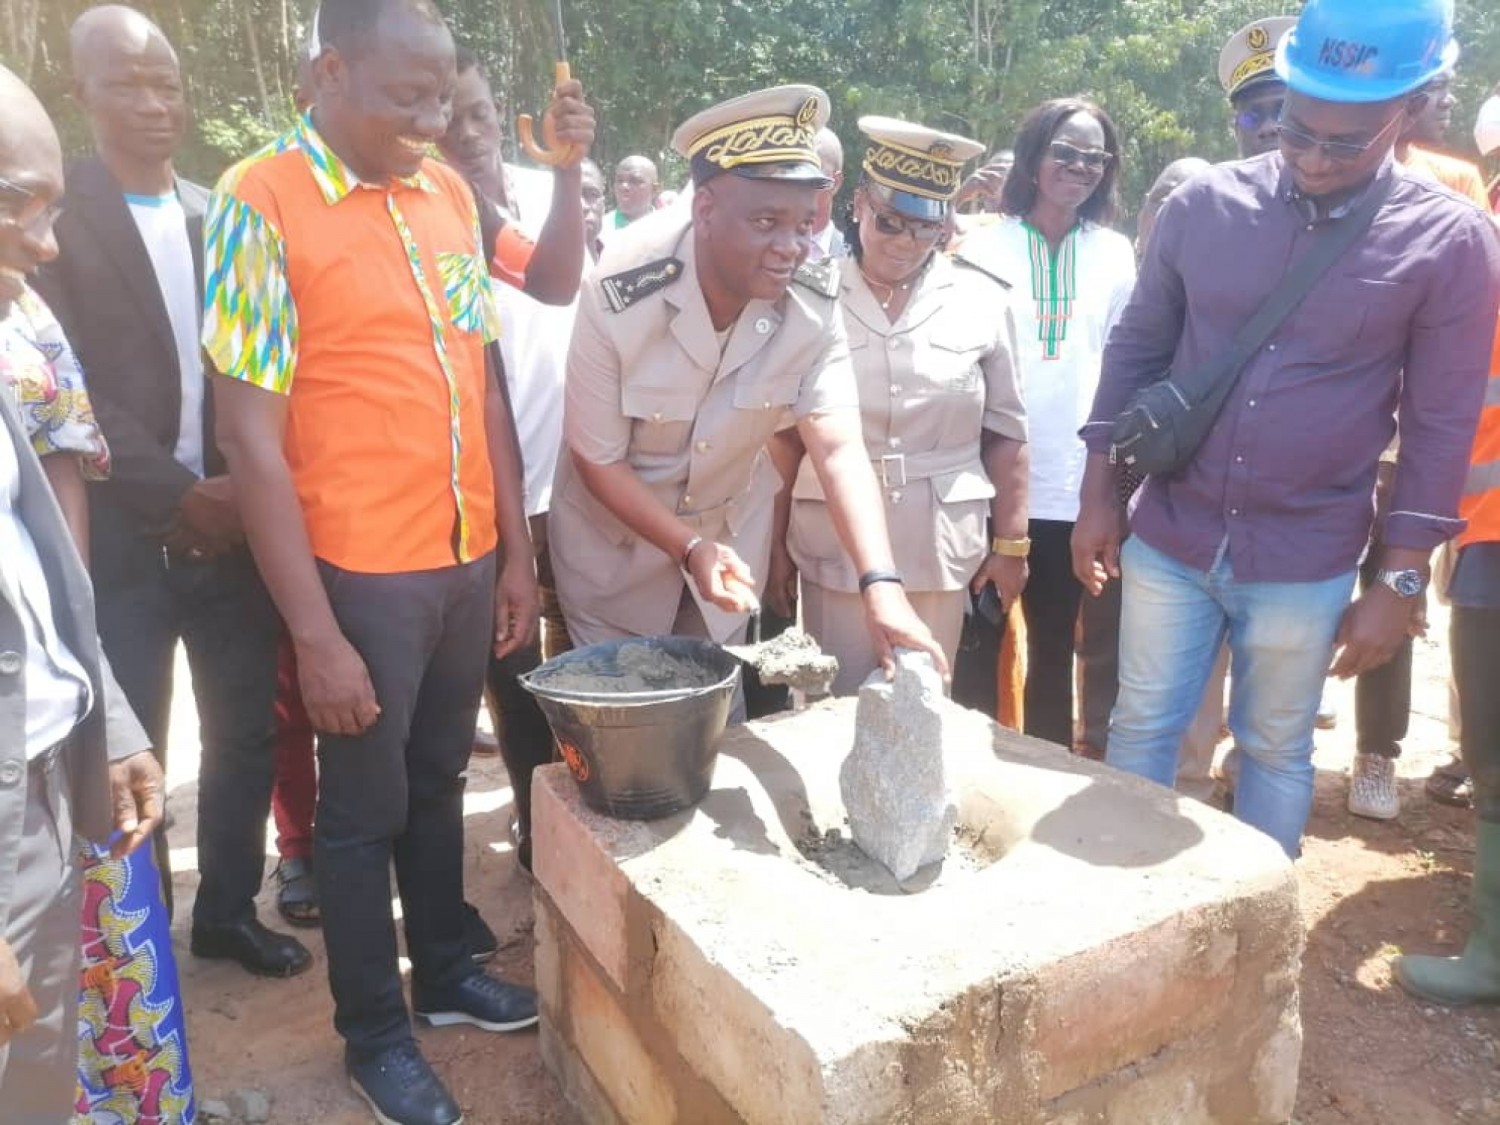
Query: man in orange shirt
(1420,140)
(347,310)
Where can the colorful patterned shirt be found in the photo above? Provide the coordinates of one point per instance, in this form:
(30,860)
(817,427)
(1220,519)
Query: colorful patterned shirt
(38,364)
(369,307)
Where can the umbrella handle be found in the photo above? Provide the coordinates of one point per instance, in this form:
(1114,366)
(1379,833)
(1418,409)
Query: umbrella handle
(551,155)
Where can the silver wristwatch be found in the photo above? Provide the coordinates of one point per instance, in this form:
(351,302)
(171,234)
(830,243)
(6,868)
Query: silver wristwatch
(1405,583)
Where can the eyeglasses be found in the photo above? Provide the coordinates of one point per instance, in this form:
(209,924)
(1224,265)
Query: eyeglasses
(896,225)
(1341,152)
(1094,159)
(1255,116)
(23,196)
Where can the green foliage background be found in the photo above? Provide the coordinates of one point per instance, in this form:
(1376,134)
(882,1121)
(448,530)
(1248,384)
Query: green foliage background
(972,66)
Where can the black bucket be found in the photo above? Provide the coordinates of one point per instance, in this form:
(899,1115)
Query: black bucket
(638,720)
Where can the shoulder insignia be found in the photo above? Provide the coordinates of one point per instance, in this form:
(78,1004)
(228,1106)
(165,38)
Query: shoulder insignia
(622,290)
(959,260)
(821,277)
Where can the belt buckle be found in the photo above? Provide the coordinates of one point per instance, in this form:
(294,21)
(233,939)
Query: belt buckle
(886,461)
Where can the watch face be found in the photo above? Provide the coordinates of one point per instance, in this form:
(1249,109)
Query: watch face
(1407,583)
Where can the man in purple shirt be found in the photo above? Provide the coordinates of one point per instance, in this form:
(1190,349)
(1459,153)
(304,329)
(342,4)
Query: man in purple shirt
(1258,537)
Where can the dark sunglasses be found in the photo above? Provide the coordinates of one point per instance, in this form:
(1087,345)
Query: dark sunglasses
(1256,116)
(1341,152)
(896,225)
(23,196)
(1094,159)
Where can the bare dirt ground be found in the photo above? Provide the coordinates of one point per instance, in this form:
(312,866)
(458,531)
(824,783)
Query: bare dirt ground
(1372,1056)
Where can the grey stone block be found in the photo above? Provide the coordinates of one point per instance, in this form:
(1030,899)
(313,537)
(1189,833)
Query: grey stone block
(894,782)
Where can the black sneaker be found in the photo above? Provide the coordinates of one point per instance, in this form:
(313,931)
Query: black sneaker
(478,999)
(478,936)
(401,1088)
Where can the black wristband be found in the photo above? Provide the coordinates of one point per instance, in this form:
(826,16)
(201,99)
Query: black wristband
(870,577)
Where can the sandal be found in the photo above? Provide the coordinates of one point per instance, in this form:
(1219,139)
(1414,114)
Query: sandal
(297,898)
(1456,789)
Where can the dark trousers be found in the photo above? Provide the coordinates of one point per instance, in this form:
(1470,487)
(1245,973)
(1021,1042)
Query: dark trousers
(1474,639)
(1098,663)
(1382,696)
(1050,605)
(395,792)
(222,613)
(521,729)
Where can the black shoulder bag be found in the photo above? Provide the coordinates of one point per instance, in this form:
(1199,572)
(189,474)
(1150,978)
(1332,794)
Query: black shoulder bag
(1166,422)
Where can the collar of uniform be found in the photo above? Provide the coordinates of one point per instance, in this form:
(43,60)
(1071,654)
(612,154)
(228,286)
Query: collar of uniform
(936,275)
(690,324)
(693,329)
(334,178)
(1286,191)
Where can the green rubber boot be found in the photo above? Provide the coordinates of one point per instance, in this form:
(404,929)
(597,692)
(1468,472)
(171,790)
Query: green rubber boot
(1473,978)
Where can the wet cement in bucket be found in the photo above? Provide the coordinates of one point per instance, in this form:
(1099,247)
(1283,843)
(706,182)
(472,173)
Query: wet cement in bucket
(629,669)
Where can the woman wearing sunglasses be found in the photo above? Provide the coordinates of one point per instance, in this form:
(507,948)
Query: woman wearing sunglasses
(1071,276)
(933,346)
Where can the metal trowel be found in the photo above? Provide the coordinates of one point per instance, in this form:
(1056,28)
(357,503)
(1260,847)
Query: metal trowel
(793,658)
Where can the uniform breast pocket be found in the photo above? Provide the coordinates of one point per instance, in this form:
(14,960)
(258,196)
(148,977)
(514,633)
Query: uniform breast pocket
(949,363)
(661,418)
(770,391)
(465,284)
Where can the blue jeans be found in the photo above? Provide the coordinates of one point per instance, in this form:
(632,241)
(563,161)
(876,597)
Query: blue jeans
(1281,641)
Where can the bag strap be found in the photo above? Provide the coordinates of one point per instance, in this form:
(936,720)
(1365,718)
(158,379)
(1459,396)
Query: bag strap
(1202,384)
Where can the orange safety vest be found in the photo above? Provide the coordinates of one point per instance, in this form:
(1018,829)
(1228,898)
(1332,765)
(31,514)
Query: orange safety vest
(1481,502)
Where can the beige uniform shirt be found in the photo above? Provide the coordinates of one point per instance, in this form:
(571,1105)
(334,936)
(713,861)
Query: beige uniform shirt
(647,384)
(928,384)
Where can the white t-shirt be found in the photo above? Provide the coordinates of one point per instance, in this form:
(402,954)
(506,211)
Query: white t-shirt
(1066,304)
(534,342)
(163,226)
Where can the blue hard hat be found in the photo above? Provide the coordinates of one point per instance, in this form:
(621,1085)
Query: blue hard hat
(1367,50)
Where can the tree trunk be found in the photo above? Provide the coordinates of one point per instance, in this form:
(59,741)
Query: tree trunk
(260,71)
(19,20)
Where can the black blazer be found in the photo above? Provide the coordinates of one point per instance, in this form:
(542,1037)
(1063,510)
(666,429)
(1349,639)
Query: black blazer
(104,291)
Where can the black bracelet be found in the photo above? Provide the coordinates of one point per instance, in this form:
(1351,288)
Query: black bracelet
(870,577)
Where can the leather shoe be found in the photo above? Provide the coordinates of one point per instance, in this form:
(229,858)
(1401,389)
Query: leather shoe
(478,999)
(258,950)
(401,1088)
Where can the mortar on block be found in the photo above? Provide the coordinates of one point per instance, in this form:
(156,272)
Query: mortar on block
(1092,950)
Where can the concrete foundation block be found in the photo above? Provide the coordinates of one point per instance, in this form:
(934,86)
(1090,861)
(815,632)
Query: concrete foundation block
(1094,950)
(583,880)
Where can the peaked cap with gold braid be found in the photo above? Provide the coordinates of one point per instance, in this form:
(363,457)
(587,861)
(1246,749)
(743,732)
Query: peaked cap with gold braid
(1249,58)
(919,169)
(767,135)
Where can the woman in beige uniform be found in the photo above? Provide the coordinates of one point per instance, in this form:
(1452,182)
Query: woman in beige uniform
(933,345)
